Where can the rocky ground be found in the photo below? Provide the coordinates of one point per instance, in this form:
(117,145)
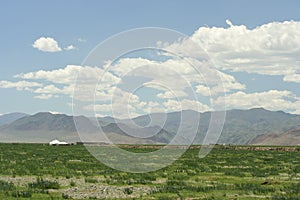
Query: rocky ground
(78,188)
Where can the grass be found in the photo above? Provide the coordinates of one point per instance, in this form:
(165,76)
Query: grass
(224,174)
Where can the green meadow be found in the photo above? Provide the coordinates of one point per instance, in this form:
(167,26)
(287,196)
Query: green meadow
(39,171)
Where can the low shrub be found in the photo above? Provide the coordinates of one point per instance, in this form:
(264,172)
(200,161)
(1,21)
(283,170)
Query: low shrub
(44,184)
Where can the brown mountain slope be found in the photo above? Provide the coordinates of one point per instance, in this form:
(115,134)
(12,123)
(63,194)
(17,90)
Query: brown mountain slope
(291,138)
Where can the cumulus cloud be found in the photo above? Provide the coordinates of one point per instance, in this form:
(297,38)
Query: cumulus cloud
(292,78)
(63,76)
(99,108)
(67,75)
(49,89)
(161,75)
(46,44)
(47,84)
(171,94)
(269,49)
(20,85)
(43,96)
(186,104)
(210,55)
(203,90)
(69,48)
(272,100)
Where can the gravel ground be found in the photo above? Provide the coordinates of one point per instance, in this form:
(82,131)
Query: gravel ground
(102,191)
(83,190)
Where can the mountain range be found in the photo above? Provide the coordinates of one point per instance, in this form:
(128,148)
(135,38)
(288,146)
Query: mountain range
(253,126)
(10,117)
(290,137)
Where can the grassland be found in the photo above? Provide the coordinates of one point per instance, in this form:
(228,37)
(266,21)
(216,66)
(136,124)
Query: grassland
(39,171)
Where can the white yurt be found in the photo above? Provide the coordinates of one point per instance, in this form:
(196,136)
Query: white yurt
(56,142)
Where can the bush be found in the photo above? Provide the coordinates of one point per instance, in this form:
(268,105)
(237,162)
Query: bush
(44,184)
(165,198)
(5,186)
(128,191)
(21,194)
(64,196)
(72,183)
(90,180)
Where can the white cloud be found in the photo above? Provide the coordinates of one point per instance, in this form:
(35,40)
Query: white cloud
(173,77)
(151,107)
(106,108)
(270,49)
(163,73)
(203,90)
(62,82)
(48,89)
(172,94)
(229,22)
(20,85)
(120,109)
(186,104)
(46,44)
(292,78)
(68,75)
(55,112)
(43,96)
(272,100)
(228,84)
(81,40)
(69,48)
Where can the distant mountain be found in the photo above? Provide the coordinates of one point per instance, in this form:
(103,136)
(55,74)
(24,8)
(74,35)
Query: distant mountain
(8,118)
(140,135)
(43,127)
(107,120)
(241,127)
(291,137)
(43,122)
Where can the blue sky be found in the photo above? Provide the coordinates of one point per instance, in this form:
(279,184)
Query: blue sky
(84,24)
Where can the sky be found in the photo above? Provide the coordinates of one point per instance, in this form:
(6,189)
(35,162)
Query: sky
(247,53)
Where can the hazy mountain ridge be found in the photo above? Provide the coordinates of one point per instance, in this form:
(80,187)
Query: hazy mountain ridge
(291,137)
(43,127)
(11,117)
(161,136)
(43,121)
(241,127)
